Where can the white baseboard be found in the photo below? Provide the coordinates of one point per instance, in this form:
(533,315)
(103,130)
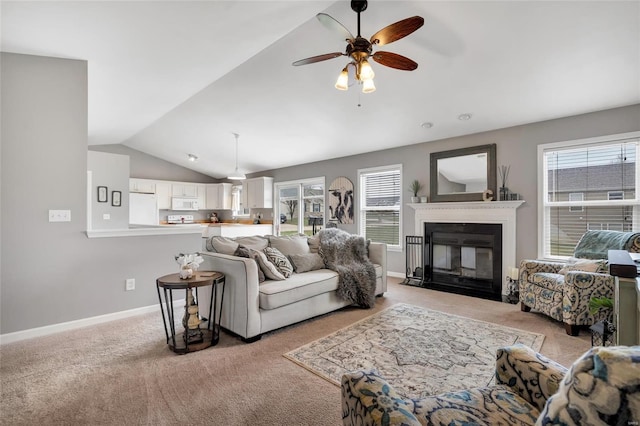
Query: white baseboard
(395,274)
(72,325)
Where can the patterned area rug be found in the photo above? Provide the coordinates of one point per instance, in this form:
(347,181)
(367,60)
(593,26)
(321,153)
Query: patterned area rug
(419,351)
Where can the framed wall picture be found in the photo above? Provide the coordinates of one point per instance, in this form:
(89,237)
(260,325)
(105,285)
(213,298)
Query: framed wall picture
(116,198)
(102,194)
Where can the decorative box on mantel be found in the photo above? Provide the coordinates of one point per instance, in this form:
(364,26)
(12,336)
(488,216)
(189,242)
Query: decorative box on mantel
(494,212)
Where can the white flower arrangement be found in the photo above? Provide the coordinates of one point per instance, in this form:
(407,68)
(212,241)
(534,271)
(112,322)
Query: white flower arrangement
(189,263)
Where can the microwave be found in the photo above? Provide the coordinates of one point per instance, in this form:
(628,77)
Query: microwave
(178,203)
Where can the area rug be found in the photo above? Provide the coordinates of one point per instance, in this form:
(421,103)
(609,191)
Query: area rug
(417,350)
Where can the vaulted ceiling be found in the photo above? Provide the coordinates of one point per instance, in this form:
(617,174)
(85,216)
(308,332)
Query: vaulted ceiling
(173,78)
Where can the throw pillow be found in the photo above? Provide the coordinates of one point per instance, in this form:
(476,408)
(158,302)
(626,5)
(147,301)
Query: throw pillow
(279,260)
(222,245)
(293,244)
(243,251)
(306,262)
(269,269)
(314,243)
(599,266)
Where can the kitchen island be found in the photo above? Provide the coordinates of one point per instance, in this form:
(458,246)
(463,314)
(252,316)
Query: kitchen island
(232,230)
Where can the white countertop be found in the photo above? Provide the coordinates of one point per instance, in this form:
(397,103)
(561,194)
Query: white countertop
(142,230)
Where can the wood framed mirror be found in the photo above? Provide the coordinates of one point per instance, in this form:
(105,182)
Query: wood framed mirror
(463,174)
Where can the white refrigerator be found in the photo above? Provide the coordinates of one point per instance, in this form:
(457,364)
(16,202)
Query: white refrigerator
(143,209)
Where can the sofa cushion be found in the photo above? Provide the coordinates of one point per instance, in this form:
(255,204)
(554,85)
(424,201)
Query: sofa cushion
(596,244)
(269,269)
(306,262)
(599,266)
(253,242)
(548,280)
(274,294)
(280,261)
(291,244)
(601,387)
(229,246)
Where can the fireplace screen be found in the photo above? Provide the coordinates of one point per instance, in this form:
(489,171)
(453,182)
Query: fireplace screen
(472,262)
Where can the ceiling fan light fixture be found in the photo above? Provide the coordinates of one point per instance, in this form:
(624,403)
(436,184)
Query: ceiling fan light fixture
(368,86)
(343,80)
(365,72)
(236,175)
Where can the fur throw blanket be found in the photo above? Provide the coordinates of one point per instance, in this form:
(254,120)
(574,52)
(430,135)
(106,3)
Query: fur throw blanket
(347,255)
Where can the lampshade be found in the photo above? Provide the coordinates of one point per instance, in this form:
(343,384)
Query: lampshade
(236,175)
(368,86)
(343,80)
(365,71)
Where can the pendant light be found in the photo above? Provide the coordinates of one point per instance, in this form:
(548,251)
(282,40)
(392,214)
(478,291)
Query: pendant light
(236,175)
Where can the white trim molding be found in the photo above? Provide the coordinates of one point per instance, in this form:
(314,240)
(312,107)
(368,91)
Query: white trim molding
(501,212)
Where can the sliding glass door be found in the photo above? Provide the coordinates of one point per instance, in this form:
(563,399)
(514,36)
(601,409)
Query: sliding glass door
(299,207)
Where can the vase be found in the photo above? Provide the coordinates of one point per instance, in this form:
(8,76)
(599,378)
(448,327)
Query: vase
(504,193)
(186,273)
(415,199)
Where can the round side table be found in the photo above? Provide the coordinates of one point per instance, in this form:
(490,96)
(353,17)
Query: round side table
(199,332)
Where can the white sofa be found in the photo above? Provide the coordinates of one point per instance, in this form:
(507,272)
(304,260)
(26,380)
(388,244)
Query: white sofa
(251,308)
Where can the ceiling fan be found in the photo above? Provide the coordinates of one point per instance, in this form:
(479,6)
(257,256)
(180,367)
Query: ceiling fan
(360,49)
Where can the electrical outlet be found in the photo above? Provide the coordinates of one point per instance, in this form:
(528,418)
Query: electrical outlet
(59,215)
(130,284)
(106,216)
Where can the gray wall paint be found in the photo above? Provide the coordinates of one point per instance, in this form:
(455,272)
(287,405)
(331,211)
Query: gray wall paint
(51,272)
(112,171)
(516,146)
(145,166)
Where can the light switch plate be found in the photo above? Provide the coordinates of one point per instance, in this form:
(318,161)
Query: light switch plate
(59,215)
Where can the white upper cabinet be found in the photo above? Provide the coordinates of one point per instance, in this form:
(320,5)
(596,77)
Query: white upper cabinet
(146,186)
(187,190)
(218,196)
(259,192)
(163,194)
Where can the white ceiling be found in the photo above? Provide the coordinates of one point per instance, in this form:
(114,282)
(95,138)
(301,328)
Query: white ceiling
(171,78)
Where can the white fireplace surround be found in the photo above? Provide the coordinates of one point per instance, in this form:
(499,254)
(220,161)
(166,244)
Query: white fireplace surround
(502,212)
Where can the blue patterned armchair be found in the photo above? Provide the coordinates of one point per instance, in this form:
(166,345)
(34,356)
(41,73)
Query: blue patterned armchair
(562,290)
(600,388)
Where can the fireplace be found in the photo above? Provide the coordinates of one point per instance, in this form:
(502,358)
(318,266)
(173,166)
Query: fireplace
(464,258)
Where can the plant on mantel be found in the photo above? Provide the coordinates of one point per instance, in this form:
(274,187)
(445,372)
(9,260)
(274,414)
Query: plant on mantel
(414,188)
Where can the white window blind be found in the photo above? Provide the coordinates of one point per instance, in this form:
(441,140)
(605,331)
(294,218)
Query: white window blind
(578,183)
(380,201)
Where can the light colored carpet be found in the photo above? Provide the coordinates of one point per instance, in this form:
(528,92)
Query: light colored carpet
(122,372)
(419,351)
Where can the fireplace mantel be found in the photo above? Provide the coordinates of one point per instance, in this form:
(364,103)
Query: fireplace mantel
(502,212)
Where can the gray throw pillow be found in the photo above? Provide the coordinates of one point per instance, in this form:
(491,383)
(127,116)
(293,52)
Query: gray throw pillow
(222,245)
(279,260)
(306,262)
(269,269)
(243,251)
(290,244)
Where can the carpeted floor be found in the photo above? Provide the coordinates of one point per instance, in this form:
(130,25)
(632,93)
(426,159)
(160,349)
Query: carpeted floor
(122,373)
(419,351)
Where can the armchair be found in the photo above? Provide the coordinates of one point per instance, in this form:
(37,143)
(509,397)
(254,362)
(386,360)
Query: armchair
(562,290)
(530,389)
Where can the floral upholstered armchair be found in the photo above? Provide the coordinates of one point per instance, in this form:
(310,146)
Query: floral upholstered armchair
(600,388)
(562,290)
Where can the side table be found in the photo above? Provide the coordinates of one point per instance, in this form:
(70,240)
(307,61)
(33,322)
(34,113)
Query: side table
(194,337)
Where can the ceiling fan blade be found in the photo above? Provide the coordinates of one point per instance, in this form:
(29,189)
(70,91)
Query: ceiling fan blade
(334,26)
(396,31)
(318,58)
(394,60)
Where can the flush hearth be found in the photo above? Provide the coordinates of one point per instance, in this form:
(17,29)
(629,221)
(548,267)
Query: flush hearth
(464,258)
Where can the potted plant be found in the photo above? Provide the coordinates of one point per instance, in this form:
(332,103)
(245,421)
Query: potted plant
(414,188)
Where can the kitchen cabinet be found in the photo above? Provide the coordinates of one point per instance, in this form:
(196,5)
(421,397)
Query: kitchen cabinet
(218,196)
(259,193)
(163,193)
(201,191)
(145,186)
(186,190)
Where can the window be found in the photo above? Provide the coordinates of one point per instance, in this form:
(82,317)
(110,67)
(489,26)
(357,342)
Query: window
(299,206)
(596,179)
(380,201)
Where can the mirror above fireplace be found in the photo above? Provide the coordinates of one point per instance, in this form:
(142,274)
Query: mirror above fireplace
(463,174)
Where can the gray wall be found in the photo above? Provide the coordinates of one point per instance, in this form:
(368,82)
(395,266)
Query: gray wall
(145,166)
(516,146)
(51,272)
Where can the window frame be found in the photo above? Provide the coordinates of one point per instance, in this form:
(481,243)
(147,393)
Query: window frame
(362,209)
(543,202)
(301,184)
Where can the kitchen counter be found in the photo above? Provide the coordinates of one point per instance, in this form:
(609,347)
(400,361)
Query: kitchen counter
(232,230)
(144,230)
